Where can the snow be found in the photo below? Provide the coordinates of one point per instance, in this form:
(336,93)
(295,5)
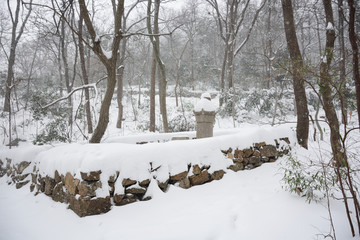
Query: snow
(244,205)
(133,160)
(329,26)
(205,104)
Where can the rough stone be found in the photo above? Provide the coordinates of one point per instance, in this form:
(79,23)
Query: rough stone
(32,187)
(113,178)
(236,167)
(138,191)
(127,182)
(268,151)
(196,169)
(205,167)
(91,176)
(71,184)
(285,139)
(202,178)
(238,160)
(259,145)
(111,188)
(87,206)
(117,198)
(248,152)
(21,167)
(123,199)
(49,185)
(58,194)
(88,189)
(217,175)
(185,183)
(238,153)
(144,183)
(230,155)
(254,160)
(256,153)
(57,177)
(21,184)
(33,177)
(204,124)
(178,177)
(20,178)
(41,185)
(163,185)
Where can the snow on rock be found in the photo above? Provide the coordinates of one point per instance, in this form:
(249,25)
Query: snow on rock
(133,160)
(205,104)
(90,176)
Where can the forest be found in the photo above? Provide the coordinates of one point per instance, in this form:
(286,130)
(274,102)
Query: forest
(90,71)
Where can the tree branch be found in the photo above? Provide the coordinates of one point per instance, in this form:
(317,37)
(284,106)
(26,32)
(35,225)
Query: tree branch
(92,85)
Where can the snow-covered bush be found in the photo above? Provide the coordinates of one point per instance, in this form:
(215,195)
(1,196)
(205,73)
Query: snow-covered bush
(309,180)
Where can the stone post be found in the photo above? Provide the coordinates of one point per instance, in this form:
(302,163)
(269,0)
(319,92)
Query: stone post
(205,116)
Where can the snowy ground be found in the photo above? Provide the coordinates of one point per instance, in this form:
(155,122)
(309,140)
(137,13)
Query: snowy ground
(244,205)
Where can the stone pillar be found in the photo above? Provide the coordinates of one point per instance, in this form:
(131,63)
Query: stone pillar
(204,123)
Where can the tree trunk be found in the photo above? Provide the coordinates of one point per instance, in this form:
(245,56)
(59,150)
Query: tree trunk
(152,93)
(302,128)
(63,48)
(120,82)
(105,105)
(10,76)
(162,71)
(108,62)
(85,77)
(268,47)
(222,78)
(325,87)
(342,70)
(355,53)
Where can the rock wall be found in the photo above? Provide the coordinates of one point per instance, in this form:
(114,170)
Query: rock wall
(85,193)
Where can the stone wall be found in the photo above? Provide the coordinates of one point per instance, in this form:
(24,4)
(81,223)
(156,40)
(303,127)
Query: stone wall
(81,192)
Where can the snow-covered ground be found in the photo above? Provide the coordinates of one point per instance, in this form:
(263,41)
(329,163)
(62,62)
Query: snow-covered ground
(243,205)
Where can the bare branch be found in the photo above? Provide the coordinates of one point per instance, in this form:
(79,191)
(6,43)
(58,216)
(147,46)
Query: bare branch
(92,85)
(251,28)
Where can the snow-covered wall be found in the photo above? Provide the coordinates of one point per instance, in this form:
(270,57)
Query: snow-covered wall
(93,177)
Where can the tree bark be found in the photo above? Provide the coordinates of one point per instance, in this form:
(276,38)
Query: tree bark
(355,53)
(152,93)
(85,77)
(68,85)
(325,87)
(302,127)
(120,82)
(342,70)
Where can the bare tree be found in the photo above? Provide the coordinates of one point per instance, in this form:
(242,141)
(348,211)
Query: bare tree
(302,127)
(84,76)
(109,61)
(16,34)
(229,26)
(155,41)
